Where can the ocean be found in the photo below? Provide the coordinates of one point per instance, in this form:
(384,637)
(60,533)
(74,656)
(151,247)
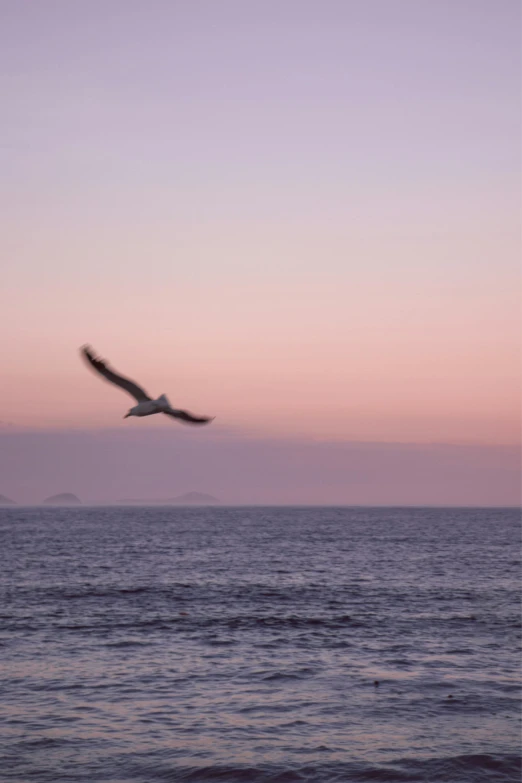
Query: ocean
(140,645)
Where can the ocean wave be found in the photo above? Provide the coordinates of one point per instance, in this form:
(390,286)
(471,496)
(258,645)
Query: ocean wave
(204,623)
(479,768)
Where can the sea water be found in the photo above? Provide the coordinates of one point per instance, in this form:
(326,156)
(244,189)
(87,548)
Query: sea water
(259,644)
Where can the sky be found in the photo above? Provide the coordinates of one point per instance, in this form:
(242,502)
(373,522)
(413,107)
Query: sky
(301,217)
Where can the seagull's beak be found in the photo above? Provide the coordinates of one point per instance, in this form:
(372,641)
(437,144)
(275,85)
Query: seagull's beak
(126,416)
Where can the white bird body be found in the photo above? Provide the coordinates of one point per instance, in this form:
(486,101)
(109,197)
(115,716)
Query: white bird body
(146,405)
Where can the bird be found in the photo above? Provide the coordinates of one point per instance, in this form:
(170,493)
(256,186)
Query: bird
(146,405)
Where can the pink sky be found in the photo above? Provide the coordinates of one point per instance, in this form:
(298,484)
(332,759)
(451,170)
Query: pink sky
(300,217)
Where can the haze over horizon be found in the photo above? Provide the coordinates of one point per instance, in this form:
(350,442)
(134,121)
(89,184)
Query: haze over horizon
(108,465)
(302,218)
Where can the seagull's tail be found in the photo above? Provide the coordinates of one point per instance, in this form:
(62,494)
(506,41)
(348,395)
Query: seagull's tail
(163,402)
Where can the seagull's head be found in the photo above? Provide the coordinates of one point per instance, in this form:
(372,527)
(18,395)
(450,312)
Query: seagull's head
(136,411)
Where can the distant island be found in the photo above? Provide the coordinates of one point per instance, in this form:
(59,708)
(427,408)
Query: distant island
(188,499)
(64,499)
(5,501)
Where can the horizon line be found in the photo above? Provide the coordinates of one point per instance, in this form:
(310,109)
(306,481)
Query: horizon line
(160,504)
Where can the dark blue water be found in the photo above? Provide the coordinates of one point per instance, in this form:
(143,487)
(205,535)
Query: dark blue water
(168,644)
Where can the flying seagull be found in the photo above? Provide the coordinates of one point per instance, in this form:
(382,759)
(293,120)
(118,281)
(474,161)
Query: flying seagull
(146,405)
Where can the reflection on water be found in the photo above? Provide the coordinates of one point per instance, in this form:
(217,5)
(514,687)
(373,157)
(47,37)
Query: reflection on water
(148,644)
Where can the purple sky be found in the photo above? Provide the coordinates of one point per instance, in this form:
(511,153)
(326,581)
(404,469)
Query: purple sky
(302,217)
(110,465)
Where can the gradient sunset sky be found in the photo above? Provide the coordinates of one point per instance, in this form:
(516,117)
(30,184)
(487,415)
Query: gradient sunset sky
(302,217)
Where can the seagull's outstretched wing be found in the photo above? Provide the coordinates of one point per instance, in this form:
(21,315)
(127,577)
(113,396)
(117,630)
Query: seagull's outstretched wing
(188,417)
(97,364)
